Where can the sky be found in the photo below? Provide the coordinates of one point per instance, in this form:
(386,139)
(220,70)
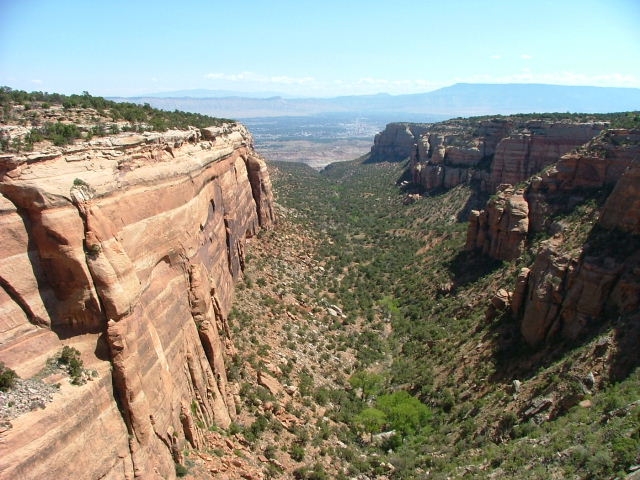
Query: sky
(314,48)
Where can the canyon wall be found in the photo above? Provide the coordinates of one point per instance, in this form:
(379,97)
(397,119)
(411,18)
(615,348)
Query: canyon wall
(586,271)
(540,173)
(126,248)
(484,151)
(396,142)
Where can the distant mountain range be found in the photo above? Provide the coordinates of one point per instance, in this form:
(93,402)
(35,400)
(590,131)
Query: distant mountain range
(205,93)
(462,99)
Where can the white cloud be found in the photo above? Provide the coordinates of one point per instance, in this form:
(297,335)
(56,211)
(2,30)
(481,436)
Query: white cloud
(526,56)
(37,81)
(234,77)
(308,85)
(286,80)
(372,81)
(314,87)
(495,57)
(397,86)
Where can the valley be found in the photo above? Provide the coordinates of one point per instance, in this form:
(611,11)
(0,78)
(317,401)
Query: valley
(414,305)
(316,140)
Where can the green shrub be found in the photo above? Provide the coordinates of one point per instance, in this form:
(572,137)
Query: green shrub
(297,452)
(405,414)
(234,428)
(626,451)
(70,358)
(600,464)
(7,377)
(181,470)
(270,451)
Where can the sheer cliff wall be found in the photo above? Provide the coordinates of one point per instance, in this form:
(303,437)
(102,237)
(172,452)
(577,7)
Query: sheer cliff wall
(586,271)
(126,248)
(487,151)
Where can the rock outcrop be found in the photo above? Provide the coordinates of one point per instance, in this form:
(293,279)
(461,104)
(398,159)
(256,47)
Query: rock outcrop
(537,172)
(622,208)
(566,296)
(486,152)
(535,145)
(573,284)
(500,230)
(396,142)
(127,248)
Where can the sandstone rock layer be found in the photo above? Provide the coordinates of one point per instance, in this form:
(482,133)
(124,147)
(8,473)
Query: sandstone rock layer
(571,287)
(126,247)
(485,152)
(396,142)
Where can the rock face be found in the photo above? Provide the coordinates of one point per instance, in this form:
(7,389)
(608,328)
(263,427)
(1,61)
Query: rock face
(500,230)
(396,142)
(565,295)
(535,145)
(486,152)
(511,216)
(126,247)
(571,287)
(557,165)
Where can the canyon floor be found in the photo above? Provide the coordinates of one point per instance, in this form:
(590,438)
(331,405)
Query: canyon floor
(315,153)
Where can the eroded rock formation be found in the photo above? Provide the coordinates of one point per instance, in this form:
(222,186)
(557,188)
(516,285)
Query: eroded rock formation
(572,284)
(486,152)
(396,142)
(126,247)
(500,230)
(538,171)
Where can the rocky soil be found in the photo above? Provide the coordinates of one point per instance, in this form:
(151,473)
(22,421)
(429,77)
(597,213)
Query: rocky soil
(25,396)
(287,356)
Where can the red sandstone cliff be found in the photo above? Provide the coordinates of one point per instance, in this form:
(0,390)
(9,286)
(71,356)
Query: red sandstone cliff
(484,151)
(396,142)
(127,248)
(585,273)
(538,171)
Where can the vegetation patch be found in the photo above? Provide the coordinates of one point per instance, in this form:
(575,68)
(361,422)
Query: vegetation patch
(83,117)
(7,377)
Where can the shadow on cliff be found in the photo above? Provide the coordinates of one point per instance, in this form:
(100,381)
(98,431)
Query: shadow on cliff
(476,201)
(612,336)
(50,288)
(469,266)
(614,343)
(405,182)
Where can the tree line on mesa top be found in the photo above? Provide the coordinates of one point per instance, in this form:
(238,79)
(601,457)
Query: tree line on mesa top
(110,117)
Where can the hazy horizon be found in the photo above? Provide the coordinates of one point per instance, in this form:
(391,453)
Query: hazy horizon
(200,93)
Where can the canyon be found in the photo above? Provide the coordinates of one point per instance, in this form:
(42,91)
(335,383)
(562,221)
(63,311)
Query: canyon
(494,287)
(487,151)
(126,248)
